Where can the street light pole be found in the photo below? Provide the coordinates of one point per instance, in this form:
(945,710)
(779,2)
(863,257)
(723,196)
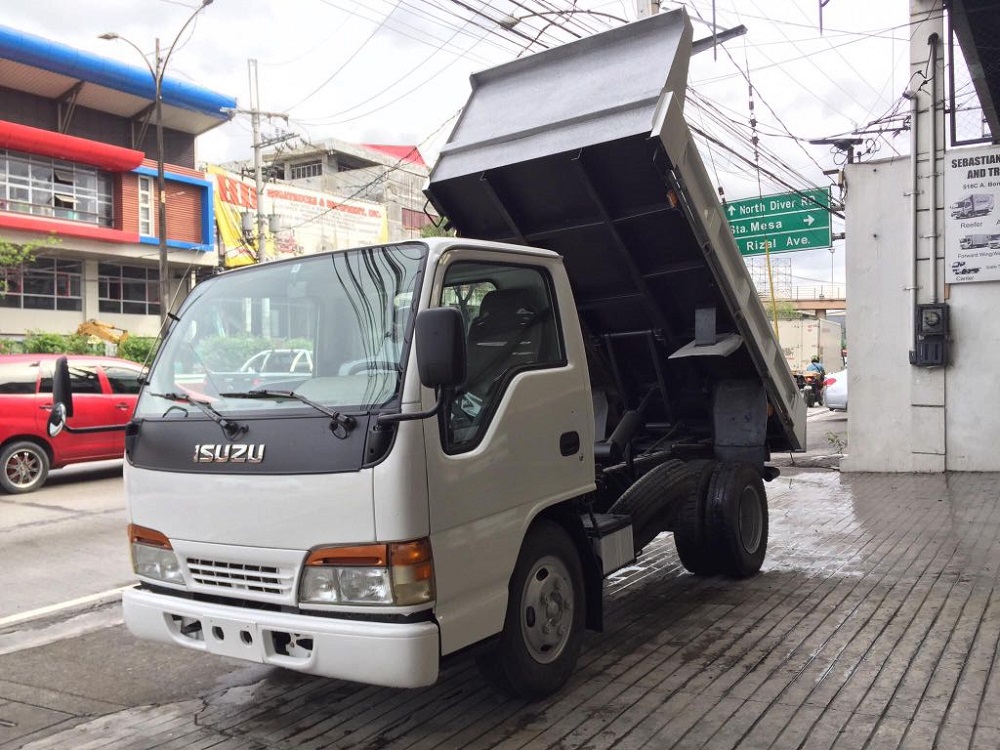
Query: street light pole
(157,71)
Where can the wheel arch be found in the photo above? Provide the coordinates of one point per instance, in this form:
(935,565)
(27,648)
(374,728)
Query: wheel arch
(593,577)
(37,440)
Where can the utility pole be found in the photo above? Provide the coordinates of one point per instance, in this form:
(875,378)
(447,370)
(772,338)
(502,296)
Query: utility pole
(161,189)
(258,143)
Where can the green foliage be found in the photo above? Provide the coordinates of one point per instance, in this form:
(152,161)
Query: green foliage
(838,442)
(39,342)
(138,348)
(135,348)
(785,309)
(437,230)
(10,346)
(228,353)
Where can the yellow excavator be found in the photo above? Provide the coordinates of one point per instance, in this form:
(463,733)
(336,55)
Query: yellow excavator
(105,331)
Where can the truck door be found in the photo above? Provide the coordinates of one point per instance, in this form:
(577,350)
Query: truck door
(514,438)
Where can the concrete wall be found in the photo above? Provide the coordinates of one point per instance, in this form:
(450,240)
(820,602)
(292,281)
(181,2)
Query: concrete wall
(899,421)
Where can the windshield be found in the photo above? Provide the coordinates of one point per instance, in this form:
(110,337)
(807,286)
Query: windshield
(333,328)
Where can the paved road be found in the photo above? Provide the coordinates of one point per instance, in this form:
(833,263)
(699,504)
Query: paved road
(64,541)
(874,624)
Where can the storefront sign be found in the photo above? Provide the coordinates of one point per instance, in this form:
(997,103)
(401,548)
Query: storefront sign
(307,221)
(972,215)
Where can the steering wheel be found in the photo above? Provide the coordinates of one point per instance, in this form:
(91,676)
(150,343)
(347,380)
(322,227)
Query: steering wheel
(372,365)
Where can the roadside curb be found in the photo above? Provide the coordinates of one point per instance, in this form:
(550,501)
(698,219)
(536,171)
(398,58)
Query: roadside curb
(71,606)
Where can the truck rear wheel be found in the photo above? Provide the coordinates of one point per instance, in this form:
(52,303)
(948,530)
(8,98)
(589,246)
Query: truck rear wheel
(694,549)
(652,499)
(736,519)
(537,650)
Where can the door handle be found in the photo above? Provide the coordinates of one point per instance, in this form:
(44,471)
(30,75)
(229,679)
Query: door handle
(46,407)
(123,406)
(569,443)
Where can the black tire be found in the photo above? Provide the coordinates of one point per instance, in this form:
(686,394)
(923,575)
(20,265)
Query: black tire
(653,499)
(531,658)
(810,398)
(694,548)
(736,519)
(25,467)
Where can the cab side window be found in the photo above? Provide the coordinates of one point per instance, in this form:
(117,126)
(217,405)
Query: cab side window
(510,320)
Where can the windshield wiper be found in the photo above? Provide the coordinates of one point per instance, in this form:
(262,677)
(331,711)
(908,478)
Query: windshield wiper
(341,423)
(232,429)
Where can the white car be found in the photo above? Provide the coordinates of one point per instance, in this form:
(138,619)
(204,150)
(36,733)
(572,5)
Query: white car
(278,361)
(835,391)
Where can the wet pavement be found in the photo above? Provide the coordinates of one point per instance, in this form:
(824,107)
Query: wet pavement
(874,624)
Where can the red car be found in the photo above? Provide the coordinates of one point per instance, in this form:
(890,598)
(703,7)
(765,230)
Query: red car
(104,392)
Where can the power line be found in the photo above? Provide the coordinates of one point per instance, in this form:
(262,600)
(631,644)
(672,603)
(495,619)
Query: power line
(346,62)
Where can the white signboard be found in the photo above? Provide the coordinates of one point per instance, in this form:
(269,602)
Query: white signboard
(972,215)
(308,221)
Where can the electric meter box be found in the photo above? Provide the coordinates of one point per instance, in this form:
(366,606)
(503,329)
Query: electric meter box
(930,347)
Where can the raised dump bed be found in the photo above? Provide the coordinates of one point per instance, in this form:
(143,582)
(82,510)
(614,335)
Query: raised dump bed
(583,149)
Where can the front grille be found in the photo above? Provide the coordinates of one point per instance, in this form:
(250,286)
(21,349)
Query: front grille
(262,579)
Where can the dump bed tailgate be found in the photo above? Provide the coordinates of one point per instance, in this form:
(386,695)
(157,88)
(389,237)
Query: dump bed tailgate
(583,149)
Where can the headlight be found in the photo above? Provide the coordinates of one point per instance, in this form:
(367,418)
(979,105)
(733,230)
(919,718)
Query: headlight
(153,557)
(335,585)
(401,573)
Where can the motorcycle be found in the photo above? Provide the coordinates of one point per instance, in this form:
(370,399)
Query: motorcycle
(810,383)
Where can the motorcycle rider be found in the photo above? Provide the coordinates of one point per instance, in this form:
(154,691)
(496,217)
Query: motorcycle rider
(815,366)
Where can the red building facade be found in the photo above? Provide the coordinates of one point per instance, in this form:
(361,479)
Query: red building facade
(78,183)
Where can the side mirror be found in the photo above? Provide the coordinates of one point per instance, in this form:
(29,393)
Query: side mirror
(62,398)
(57,419)
(440,347)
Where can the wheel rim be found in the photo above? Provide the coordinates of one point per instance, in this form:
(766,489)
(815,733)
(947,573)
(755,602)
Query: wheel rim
(547,609)
(751,520)
(23,468)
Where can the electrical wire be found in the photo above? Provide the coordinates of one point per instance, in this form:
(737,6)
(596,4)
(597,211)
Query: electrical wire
(344,64)
(381,178)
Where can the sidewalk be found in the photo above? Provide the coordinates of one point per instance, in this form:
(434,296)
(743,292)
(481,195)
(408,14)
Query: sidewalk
(873,625)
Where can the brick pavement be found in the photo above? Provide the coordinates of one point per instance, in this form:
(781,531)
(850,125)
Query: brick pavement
(874,624)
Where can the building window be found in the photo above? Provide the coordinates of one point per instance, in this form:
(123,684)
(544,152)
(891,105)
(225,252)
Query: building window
(128,289)
(306,169)
(45,284)
(146,206)
(41,186)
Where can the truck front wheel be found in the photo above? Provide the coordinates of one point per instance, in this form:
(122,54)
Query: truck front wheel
(736,518)
(537,650)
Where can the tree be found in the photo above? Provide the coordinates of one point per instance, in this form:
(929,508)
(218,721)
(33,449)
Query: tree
(13,257)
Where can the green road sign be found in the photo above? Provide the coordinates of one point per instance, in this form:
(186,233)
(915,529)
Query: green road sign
(781,223)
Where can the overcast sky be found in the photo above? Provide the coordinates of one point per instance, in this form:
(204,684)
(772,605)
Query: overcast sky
(396,71)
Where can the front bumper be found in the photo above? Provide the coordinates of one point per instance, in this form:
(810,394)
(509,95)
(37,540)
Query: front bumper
(377,653)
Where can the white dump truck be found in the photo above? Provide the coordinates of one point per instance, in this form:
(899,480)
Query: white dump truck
(486,428)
